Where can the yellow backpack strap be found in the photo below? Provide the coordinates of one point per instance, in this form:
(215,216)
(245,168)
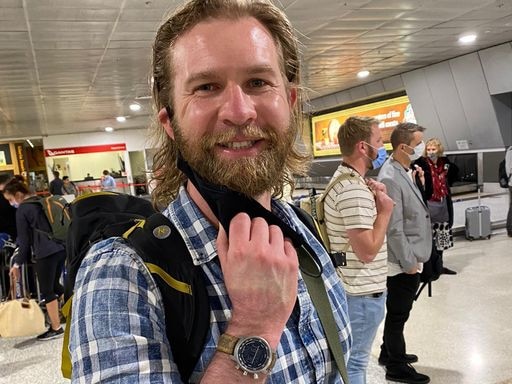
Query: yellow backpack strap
(169,280)
(155,269)
(65,365)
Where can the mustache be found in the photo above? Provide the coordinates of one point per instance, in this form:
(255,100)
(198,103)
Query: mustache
(251,131)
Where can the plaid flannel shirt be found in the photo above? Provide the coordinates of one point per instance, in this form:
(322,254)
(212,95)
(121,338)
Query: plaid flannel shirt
(118,329)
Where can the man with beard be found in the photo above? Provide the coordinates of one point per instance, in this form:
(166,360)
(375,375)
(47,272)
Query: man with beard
(357,212)
(226,88)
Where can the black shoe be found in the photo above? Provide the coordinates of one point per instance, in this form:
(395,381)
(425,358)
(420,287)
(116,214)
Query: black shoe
(407,374)
(409,359)
(448,271)
(51,334)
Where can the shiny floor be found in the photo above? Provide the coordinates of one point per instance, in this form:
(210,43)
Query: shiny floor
(462,334)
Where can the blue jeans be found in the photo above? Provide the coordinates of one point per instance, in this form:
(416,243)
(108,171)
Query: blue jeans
(365,313)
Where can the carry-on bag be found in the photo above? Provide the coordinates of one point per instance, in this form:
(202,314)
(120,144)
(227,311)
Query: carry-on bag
(20,317)
(478,221)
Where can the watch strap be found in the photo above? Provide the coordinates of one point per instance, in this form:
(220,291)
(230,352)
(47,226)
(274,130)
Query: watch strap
(227,343)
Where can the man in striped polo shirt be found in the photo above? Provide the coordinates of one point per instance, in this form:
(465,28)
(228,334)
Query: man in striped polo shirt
(357,212)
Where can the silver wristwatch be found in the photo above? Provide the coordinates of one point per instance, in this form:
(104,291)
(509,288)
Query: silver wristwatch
(252,354)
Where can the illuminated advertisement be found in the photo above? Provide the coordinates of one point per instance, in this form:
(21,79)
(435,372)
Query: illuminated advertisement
(389,112)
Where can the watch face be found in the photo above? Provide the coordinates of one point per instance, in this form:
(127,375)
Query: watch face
(253,354)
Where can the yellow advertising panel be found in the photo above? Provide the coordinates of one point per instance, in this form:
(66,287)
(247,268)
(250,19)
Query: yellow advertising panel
(389,112)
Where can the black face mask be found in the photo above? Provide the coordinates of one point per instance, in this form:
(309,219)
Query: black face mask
(226,204)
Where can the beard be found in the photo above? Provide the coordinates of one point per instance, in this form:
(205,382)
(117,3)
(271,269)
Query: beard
(251,176)
(372,154)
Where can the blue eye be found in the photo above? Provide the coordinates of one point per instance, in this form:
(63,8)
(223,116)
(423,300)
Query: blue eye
(257,83)
(205,87)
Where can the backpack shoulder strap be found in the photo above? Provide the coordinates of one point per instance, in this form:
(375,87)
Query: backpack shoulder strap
(308,221)
(182,285)
(340,177)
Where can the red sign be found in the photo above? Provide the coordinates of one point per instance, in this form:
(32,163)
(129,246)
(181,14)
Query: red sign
(87,149)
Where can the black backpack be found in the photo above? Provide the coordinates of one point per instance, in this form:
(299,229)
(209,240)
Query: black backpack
(502,175)
(101,215)
(432,270)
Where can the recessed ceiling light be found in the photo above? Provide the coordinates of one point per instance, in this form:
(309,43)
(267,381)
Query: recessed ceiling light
(121,119)
(363,74)
(466,39)
(135,107)
(109,129)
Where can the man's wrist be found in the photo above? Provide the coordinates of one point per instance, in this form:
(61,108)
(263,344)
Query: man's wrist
(241,328)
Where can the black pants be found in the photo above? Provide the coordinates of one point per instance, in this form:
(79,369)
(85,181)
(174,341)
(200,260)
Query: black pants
(48,272)
(401,292)
(509,215)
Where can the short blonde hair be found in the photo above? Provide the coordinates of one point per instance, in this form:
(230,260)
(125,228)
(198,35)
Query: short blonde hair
(437,143)
(354,130)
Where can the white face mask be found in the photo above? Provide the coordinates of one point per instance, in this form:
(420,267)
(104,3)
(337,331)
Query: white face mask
(418,151)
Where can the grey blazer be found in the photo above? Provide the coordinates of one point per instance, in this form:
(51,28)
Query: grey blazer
(409,234)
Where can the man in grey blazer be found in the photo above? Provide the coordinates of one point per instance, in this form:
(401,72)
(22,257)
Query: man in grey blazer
(409,242)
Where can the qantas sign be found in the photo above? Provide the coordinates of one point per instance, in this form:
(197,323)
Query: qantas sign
(87,149)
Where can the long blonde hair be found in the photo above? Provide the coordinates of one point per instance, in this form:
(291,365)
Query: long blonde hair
(167,176)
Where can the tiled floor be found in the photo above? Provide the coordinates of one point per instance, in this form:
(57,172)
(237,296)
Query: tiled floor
(462,334)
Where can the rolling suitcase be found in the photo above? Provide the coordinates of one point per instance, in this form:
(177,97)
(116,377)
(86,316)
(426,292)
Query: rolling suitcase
(478,221)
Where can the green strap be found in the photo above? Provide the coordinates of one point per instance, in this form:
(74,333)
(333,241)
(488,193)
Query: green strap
(316,289)
(65,365)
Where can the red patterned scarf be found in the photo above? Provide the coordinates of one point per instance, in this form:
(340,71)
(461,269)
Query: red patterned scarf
(439,172)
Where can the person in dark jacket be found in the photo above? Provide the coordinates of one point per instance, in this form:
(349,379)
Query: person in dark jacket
(32,227)
(56,184)
(440,174)
(7,212)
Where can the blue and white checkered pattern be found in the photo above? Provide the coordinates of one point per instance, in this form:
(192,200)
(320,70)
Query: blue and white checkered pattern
(118,329)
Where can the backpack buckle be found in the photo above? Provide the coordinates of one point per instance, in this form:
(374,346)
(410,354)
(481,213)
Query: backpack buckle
(339,259)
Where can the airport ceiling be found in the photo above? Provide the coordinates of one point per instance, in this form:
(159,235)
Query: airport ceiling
(69,66)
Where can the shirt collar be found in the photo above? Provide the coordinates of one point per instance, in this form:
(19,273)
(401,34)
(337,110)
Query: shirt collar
(197,232)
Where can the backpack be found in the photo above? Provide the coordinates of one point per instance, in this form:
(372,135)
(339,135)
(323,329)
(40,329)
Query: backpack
(314,205)
(502,175)
(101,215)
(432,270)
(55,208)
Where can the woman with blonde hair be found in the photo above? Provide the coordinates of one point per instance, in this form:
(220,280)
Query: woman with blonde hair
(437,190)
